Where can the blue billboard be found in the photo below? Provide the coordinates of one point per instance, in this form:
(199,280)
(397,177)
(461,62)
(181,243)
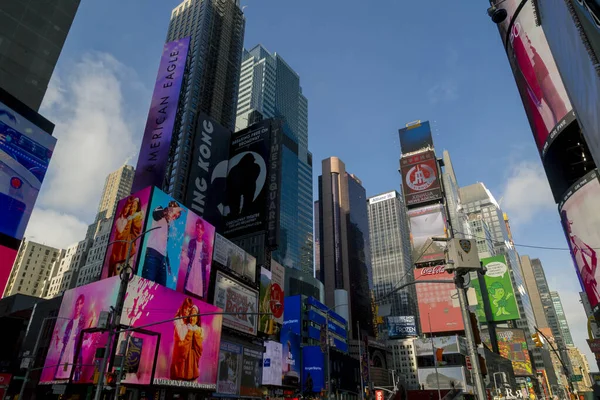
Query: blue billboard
(290,355)
(313,370)
(401,327)
(292,309)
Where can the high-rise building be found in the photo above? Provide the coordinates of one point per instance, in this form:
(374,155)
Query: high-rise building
(91,270)
(391,258)
(345,260)
(482,234)
(562,319)
(116,187)
(580,366)
(317,246)
(33,269)
(402,357)
(32,34)
(269,88)
(68,270)
(216,32)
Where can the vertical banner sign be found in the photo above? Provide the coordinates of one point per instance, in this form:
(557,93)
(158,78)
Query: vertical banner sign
(277,293)
(207,180)
(420,178)
(234,297)
(251,373)
(272,370)
(274,186)
(313,370)
(156,143)
(267,324)
(230,359)
(500,289)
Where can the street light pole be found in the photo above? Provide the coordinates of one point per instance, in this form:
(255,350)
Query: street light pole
(437,376)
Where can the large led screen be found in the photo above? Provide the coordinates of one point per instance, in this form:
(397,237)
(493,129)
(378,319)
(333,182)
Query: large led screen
(401,327)
(580,215)
(272,298)
(438,306)
(313,369)
(188,352)
(542,91)
(156,143)
(513,346)
(425,223)
(234,258)
(290,357)
(25,152)
(234,297)
(416,136)
(7,260)
(128,224)
(448,378)
(420,178)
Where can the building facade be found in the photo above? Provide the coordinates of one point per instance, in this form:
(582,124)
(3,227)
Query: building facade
(35,265)
(269,88)
(345,260)
(68,270)
(391,258)
(402,357)
(216,31)
(562,319)
(116,187)
(32,37)
(91,270)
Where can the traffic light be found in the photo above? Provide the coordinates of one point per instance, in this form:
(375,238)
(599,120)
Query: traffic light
(537,340)
(111,378)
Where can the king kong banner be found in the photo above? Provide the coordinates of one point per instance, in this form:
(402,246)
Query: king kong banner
(253,182)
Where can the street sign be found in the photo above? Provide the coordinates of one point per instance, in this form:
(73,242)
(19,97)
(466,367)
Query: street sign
(469,365)
(576,378)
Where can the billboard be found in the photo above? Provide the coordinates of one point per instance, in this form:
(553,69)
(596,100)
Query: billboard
(313,369)
(500,289)
(156,143)
(128,223)
(272,367)
(234,258)
(7,260)
(448,378)
(290,356)
(401,327)
(185,343)
(425,223)
(230,365)
(251,373)
(575,47)
(513,346)
(26,146)
(448,345)
(542,91)
(252,200)
(292,318)
(232,297)
(272,297)
(420,178)
(207,178)
(416,136)
(438,311)
(580,215)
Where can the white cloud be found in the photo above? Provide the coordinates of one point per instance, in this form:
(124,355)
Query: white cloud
(447,90)
(54,228)
(526,192)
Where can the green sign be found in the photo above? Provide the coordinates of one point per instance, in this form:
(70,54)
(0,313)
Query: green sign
(500,289)
(479,311)
(576,378)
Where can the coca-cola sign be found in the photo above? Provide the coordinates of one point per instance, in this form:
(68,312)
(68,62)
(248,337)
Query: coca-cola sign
(438,269)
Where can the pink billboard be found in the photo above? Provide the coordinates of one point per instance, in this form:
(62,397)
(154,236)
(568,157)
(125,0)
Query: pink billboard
(130,217)
(187,340)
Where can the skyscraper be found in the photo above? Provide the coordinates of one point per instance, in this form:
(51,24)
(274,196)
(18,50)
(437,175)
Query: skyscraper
(391,253)
(268,88)
(32,34)
(563,324)
(116,186)
(345,260)
(216,31)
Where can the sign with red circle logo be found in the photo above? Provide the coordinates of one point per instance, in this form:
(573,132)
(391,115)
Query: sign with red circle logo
(420,178)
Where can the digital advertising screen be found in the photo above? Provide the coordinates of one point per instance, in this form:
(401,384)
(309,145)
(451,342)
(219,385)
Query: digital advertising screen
(513,346)
(500,289)
(128,223)
(401,327)
(416,136)
(292,314)
(251,384)
(420,178)
(272,363)
(272,297)
(448,378)
(542,91)
(26,147)
(588,13)
(313,369)
(7,260)
(234,258)
(438,306)
(156,142)
(234,297)
(448,345)
(427,222)
(290,356)
(230,368)
(580,215)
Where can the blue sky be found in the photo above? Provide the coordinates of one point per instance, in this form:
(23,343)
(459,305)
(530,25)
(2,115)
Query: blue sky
(366,69)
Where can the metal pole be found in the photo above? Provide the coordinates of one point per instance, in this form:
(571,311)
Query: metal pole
(33,356)
(437,376)
(122,366)
(362,392)
(462,299)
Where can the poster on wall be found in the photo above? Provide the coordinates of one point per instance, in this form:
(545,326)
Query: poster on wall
(501,293)
(580,215)
(234,297)
(230,362)
(234,258)
(128,224)
(427,222)
(272,367)
(251,373)
(420,178)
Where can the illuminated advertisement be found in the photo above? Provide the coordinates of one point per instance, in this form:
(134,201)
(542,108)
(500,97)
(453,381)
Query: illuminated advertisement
(425,223)
(420,178)
(500,289)
(191,337)
(292,319)
(26,146)
(272,297)
(313,369)
(251,373)
(156,143)
(580,215)
(571,47)
(7,259)
(448,378)
(234,258)
(447,344)
(400,327)
(128,224)
(272,367)
(438,306)
(513,346)
(416,136)
(290,356)
(234,297)
(230,363)
(542,91)
(161,248)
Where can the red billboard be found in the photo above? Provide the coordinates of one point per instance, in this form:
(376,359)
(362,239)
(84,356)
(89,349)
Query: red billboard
(438,304)
(420,178)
